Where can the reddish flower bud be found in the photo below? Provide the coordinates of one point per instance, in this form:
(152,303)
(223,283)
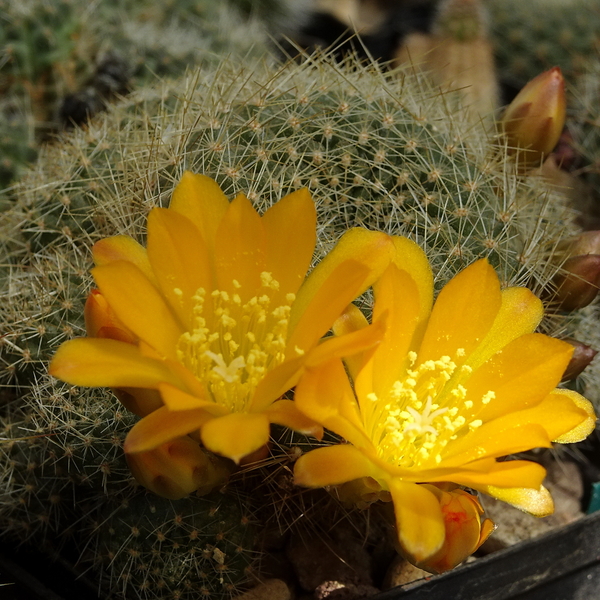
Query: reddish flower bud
(581,358)
(577,283)
(534,120)
(465,531)
(178,468)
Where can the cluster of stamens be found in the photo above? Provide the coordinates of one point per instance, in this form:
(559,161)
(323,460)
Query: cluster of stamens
(423,411)
(234,343)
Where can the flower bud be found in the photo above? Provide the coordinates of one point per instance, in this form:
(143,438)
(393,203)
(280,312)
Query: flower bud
(534,120)
(577,283)
(582,357)
(464,530)
(178,468)
(101,321)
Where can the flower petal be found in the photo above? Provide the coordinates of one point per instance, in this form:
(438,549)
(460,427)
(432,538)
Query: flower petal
(122,247)
(499,437)
(409,257)
(563,414)
(163,425)
(95,362)
(324,394)
(139,305)
(581,431)
(520,313)
(200,199)
(536,502)
(286,413)
(333,465)
(100,320)
(283,377)
(276,383)
(351,343)
(176,399)
(352,320)
(396,293)
(180,260)
(522,375)
(463,313)
(505,474)
(419,520)
(240,249)
(373,249)
(342,286)
(236,435)
(290,228)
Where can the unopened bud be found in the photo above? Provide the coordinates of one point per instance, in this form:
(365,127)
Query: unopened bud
(101,321)
(534,120)
(177,468)
(582,357)
(465,531)
(577,283)
(461,20)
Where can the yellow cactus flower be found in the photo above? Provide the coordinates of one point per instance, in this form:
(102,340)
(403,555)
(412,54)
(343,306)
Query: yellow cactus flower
(534,120)
(206,328)
(451,388)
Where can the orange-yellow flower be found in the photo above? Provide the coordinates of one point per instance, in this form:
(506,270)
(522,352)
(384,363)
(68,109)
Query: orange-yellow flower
(449,390)
(206,328)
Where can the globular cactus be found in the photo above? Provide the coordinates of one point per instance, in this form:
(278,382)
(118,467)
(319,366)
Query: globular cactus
(375,151)
(531,37)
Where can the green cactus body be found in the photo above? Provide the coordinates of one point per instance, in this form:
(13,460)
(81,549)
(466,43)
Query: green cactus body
(376,151)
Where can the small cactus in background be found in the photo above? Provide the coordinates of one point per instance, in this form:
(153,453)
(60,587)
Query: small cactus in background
(459,55)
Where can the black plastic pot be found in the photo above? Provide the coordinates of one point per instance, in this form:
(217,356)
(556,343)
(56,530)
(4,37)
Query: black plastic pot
(560,565)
